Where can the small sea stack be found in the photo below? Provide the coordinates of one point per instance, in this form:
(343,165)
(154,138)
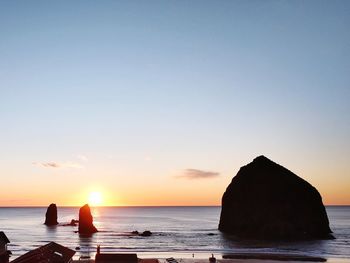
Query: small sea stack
(146,233)
(267,201)
(86,221)
(51,215)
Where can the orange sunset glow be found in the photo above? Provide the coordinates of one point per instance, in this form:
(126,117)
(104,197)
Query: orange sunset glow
(175,131)
(110,110)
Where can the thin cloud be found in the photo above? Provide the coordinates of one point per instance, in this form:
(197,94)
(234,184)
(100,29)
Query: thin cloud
(197,174)
(82,158)
(58,165)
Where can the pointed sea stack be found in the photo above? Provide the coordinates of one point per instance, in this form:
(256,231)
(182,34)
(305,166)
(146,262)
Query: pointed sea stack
(267,201)
(51,215)
(85,221)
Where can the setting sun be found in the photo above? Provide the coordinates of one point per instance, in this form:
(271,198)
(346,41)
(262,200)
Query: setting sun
(95,198)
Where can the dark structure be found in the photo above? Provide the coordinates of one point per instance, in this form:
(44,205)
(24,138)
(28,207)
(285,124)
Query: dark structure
(86,221)
(51,252)
(4,253)
(267,201)
(272,257)
(115,258)
(51,215)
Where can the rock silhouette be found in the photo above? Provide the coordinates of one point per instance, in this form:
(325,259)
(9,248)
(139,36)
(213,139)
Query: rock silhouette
(146,233)
(267,201)
(86,221)
(73,222)
(51,215)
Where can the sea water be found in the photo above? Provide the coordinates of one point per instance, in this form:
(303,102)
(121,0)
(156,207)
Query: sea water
(177,231)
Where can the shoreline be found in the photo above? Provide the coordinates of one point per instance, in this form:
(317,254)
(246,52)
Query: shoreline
(248,258)
(203,257)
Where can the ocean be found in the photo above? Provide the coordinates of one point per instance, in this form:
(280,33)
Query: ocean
(177,232)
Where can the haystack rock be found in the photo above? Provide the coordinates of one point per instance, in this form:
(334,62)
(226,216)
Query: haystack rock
(51,215)
(267,201)
(85,221)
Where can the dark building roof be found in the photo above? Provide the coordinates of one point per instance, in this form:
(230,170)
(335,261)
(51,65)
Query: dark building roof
(51,252)
(4,237)
(115,258)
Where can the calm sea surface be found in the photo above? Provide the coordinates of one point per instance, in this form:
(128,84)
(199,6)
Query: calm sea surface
(178,231)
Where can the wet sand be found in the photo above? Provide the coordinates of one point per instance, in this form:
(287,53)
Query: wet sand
(236,260)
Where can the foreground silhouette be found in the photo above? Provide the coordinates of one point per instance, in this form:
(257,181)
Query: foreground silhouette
(51,252)
(267,201)
(86,221)
(4,253)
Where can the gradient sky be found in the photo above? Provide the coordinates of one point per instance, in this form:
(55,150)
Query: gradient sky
(161,102)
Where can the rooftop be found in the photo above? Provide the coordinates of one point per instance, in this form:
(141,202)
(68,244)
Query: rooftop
(51,252)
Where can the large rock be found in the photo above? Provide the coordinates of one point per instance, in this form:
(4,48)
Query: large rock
(267,201)
(51,215)
(85,221)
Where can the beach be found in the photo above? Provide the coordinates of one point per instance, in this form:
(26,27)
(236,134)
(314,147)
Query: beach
(183,260)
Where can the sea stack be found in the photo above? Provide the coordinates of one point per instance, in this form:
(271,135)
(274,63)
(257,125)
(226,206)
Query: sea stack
(86,221)
(267,201)
(51,215)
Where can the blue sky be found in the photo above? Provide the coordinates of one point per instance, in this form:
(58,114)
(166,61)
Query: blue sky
(166,86)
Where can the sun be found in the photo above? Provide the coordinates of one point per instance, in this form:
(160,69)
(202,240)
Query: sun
(95,198)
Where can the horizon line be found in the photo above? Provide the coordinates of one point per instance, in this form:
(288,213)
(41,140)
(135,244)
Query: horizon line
(29,206)
(135,206)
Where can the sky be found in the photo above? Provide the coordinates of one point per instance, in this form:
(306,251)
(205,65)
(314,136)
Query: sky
(161,102)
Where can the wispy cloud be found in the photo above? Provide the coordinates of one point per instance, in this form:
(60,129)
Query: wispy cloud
(82,157)
(58,165)
(197,174)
